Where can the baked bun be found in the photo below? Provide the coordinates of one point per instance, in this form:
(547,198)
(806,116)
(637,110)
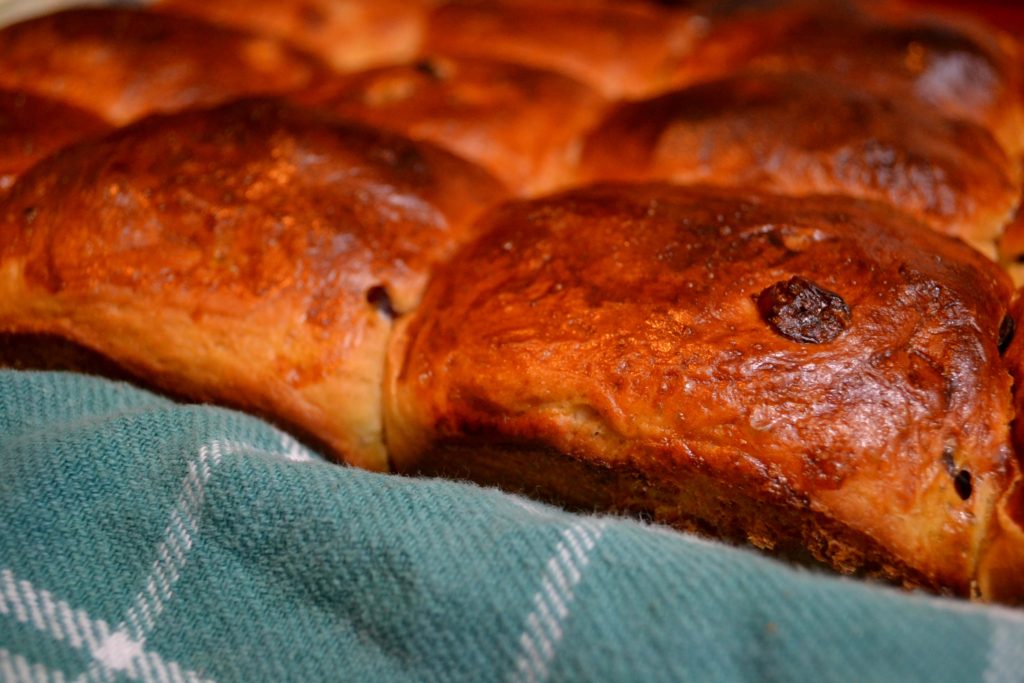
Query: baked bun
(33,127)
(347,34)
(522,124)
(818,375)
(123,64)
(251,255)
(800,134)
(961,69)
(621,47)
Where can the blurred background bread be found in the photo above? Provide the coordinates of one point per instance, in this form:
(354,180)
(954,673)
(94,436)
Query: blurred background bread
(123,64)
(740,132)
(522,124)
(347,34)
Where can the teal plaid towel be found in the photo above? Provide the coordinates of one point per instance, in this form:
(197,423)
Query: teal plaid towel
(148,541)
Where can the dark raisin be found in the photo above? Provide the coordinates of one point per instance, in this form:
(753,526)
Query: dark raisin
(802,311)
(1006,330)
(962,484)
(429,67)
(29,214)
(378,297)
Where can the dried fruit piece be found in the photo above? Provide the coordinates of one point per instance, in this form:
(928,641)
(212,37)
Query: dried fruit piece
(802,311)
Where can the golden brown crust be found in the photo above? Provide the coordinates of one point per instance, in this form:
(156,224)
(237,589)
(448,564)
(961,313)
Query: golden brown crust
(626,327)
(33,127)
(347,34)
(123,64)
(248,255)
(520,123)
(620,47)
(798,134)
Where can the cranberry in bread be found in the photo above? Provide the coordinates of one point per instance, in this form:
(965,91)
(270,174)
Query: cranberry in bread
(252,255)
(816,375)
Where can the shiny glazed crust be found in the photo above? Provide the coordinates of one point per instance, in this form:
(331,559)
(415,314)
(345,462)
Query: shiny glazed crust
(33,127)
(742,132)
(123,64)
(347,34)
(605,348)
(251,255)
(522,124)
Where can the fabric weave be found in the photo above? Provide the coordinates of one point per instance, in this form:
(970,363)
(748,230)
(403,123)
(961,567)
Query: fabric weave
(146,540)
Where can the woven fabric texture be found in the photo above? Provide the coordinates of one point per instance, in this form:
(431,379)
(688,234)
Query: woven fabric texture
(146,540)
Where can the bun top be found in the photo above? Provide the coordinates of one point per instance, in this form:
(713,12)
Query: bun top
(123,64)
(958,68)
(286,193)
(520,123)
(622,48)
(346,34)
(800,134)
